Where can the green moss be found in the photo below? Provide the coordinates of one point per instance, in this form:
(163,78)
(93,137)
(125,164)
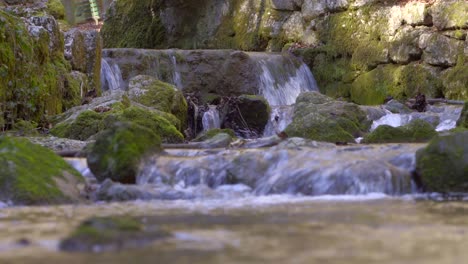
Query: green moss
(25,128)
(32,77)
(443,164)
(150,120)
(368,55)
(213,132)
(454,13)
(318,117)
(118,151)
(463,121)
(372,88)
(166,98)
(134,24)
(416,131)
(455,80)
(29,173)
(56,9)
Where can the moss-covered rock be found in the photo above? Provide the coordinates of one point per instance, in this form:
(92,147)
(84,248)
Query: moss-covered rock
(111,234)
(33,175)
(149,119)
(87,124)
(159,95)
(212,133)
(35,79)
(373,87)
(56,9)
(318,117)
(416,131)
(463,120)
(450,14)
(443,164)
(119,150)
(455,80)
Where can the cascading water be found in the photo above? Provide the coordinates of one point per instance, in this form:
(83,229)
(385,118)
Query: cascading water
(443,117)
(176,78)
(111,77)
(281,81)
(211,118)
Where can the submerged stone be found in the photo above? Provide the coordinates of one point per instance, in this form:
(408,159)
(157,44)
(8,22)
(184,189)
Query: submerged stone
(115,233)
(33,175)
(119,150)
(443,164)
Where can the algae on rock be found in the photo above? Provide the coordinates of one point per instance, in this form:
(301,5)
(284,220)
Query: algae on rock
(33,175)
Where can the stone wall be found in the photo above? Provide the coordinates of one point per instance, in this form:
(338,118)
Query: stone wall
(365,50)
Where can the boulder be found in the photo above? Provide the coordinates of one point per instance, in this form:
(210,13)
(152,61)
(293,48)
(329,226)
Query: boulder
(319,117)
(450,14)
(416,131)
(33,175)
(439,50)
(159,95)
(75,50)
(83,122)
(289,5)
(114,233)
(119,150)
(205,135)
(443,164)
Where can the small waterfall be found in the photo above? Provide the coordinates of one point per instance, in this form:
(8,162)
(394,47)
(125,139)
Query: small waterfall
(111,77)
(211,118)
(176,78)
(280,118)
(282,80)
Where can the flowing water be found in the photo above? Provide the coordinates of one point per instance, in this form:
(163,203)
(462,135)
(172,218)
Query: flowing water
(274,229)
(210,119)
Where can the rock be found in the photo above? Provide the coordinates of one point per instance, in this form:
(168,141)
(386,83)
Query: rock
(115,233)
(396,107)
(455,81)
(83,122)
(450,14)
(39,25)
(33,175)
(119,150)
(443,164)
(248,115)
(318,117)
(439,50)
(289,5)
(75,50)
(159,95)
(463,121)
(416,131)
(93,46)
(59,144)
(221,140)
(56,9)
(405,46)
(415,13)
(205,135)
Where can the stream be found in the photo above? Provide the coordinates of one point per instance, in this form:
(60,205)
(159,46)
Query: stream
(278,229)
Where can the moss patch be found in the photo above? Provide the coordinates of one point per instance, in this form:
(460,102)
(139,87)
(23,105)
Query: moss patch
(443,164)
(56,9)
(118,151)
(416,131)
(29,174)
(212,133)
